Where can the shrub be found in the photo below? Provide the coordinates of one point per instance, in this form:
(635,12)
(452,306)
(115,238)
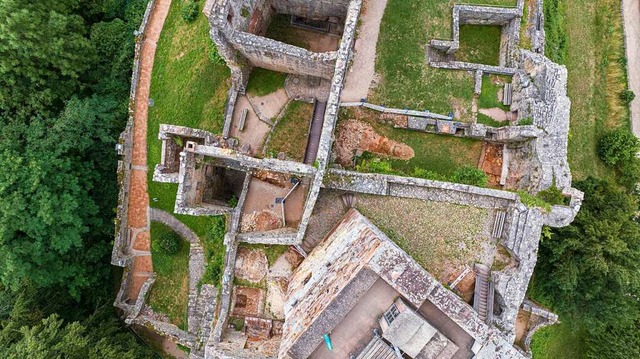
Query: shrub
(426,174)
(168,243)
(627,96)
(618,146)
(552,195)
(374,165)
(471,176)
(214,55)
(189,11)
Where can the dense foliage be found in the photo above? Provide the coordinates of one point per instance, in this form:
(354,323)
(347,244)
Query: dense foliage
(618,147)
(591,269)
(64,78)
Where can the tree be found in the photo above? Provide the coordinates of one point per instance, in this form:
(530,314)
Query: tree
(618,147)
(43,52)
(55,202)
(592,267)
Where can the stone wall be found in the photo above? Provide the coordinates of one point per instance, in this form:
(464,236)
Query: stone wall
(312,9)
(331,112)
(278,56)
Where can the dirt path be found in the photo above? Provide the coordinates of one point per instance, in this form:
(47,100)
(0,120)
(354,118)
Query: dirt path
(362,69)
(138,214)
(631,15)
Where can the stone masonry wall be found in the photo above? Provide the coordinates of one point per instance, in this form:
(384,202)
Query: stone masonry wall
(331,113)
(312,9)
(278,56)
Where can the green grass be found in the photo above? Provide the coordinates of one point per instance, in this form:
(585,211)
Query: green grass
(188,90)
(486,120)
(263,82)
(504,3)
(587,34)
(559,341)
(441,154)
(291,133)
(280,29)
(479,44)
(170,292)
(407,81)
(491,85)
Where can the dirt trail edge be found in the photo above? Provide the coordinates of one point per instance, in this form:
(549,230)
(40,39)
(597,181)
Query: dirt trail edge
(138,214)
(631,16)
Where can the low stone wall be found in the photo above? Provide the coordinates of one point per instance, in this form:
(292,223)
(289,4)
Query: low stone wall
(284,236)
(408,187)
(397,111)
(468,66)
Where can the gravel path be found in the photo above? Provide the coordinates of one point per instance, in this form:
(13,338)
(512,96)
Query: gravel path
(631,15)
(362,69)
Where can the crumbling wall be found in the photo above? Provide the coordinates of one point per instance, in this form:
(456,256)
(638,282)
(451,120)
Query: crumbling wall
(278,56)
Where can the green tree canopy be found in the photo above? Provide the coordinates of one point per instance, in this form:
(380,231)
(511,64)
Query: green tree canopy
(592,266)
(43,52)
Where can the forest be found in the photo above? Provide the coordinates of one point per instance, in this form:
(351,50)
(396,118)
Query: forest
(65,68)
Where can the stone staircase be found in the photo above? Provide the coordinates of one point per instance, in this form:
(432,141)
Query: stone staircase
(315,131)
(483,296)
(377,349)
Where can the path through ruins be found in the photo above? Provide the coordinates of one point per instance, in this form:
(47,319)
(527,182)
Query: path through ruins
(362,70)
(631,16)
(138,214)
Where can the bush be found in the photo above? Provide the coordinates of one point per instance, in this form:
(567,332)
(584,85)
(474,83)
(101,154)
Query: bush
(627,96)
(374,165)
(426,174)
(189,11)
(618,147)
(214,55)
(471,176)
(552,195)
(168,243)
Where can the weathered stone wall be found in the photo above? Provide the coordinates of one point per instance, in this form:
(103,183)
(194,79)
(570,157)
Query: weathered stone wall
(312,9)
(331,112)
(278,56)
(485,15)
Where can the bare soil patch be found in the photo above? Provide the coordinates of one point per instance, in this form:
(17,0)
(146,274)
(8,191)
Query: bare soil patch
(492,163)
(251,265)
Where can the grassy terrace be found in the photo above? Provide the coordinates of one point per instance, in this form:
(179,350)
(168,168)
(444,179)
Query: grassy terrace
(587,37)
(188,90)
(406,79)
(169,293)
(290,134)
(479,44)
(455,233)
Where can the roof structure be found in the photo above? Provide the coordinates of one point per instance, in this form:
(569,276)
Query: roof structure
(340,271)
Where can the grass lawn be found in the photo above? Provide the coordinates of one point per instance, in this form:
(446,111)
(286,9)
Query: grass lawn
(188,90)
(590,49)
(491,85)
(291,133)
(407,81)
(406,221)
(441,154)
(559,341)
(263,82)
(170,292)
(479,44)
